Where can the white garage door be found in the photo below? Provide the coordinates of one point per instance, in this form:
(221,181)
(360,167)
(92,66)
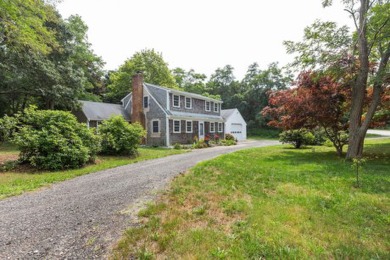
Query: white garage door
(236,131)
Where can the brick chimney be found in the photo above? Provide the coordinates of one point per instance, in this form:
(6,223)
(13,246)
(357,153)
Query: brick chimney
(137,114)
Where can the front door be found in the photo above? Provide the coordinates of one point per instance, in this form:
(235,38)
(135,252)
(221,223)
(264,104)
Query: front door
(201,130)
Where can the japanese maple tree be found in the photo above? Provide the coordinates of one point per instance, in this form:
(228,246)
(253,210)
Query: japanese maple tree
(317,100)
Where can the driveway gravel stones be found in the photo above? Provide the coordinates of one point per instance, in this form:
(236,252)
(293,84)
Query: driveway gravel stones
(83,218)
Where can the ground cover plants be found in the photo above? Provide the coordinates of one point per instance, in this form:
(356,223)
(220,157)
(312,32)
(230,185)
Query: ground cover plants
(267,203)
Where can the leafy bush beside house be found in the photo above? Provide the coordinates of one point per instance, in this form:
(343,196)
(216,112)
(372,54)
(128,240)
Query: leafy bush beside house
(119,137)
(53,140)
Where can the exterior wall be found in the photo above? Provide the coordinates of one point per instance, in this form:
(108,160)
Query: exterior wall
(236,118)
(198,106)
(155,113)
(159,94)
(188,138)
(126,103)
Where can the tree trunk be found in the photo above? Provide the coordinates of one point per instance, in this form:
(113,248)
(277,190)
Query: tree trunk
(356,135)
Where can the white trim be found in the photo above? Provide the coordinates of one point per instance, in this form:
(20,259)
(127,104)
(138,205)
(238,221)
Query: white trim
(192,127)
(216,105)
(185,102)
(174,128)
(143,102)
(220,127)
(203,129)
(173,100)
(167,131)
(205,106)
(158,125)
(128,102)
(212,124)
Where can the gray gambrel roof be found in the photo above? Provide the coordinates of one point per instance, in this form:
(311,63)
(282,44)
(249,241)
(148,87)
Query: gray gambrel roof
(101,111)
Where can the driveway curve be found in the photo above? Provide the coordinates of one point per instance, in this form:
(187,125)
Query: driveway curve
(82,218)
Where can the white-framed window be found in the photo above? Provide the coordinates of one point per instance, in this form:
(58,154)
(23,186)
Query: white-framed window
(188,126)
(188,102)
(216,107)
(176,101)
(155,126)
(176,126)
(207,106)
(212,127)
(220,127)
(146,101)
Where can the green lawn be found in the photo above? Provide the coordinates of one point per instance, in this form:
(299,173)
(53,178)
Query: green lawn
(15,183)
(270,203)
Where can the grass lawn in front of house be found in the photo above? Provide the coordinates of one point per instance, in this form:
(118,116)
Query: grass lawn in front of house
(270,203)
(24,179)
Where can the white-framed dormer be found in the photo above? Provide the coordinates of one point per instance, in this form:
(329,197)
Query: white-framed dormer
(212,127)
(188,102)
(189,126)
(176,126)
(207,105)
(216,107)
(176,100)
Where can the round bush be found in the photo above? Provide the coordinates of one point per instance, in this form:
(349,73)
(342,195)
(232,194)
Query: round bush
(54,140)
(297,137)
(119,137)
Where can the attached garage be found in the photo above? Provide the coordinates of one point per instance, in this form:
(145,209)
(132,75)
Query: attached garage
(234,123)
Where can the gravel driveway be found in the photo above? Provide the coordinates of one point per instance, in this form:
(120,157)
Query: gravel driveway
(83,218)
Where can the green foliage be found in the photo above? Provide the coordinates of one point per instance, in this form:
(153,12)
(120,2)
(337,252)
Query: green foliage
(297,137)
(53,140)
(119,137)
(153,67)
(177,146)
(229,137)
(7,127)
(228,142)
(200,144)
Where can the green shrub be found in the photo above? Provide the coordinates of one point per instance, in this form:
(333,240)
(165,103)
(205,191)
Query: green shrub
(7,127)
(229,137)
(177,146)
(228,142)
(319,136)
(200,144)
(119,137)
(53,140)
(297,137)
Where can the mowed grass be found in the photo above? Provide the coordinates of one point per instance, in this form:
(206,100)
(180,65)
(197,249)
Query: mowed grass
(16,182)
(270,203)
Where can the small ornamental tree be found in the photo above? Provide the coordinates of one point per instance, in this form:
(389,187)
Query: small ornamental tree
(317,100)
(119,137)
(54,140)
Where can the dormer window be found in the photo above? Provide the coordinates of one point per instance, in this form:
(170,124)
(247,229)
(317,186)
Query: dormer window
(207,106)
(176,101)
(188,103)
(215,107)
(146,102)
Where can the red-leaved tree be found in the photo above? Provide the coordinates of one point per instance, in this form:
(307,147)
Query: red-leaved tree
(317,100)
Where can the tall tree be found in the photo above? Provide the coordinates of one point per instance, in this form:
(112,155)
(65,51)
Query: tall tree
(153,66)
(363,57)
(190,81)
(223,83)
(257,83)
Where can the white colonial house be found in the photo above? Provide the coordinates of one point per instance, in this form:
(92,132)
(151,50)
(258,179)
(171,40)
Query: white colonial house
(234,123)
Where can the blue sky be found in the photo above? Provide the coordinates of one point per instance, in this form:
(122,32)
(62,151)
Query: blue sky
(203,34)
